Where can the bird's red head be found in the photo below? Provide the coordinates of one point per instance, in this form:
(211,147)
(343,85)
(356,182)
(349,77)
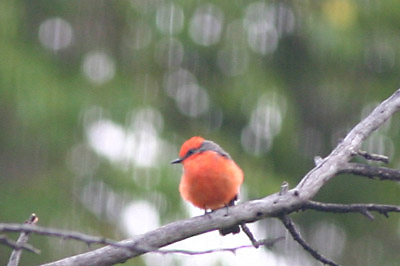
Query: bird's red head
(188,148)
(193,143)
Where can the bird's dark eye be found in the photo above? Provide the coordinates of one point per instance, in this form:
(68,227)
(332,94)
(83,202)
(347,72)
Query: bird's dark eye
(190,152)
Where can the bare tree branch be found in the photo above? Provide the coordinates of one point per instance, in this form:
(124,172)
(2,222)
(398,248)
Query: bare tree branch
(17,246)
(22,240)
(373,157)
(274,205)
(350,145)
(266,243)
(250,235)
(98,240)
(381,173)
(28,228)
(288,223)
(348,208)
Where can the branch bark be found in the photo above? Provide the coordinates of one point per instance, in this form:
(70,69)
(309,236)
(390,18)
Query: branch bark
(275,205)
(381,173)
(22,241)
(363,208)
(64,234)
(15,245)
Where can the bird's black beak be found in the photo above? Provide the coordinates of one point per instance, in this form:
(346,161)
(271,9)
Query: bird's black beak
(179,160)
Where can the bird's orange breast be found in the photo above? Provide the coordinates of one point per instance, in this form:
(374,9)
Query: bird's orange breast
(210,180)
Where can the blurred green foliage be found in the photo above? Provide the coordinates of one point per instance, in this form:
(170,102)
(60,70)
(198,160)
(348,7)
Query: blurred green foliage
(310,68)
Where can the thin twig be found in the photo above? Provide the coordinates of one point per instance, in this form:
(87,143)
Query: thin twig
(362,208)
(22,240)
(250,235)
(258,243)
(89,240)
(288,223)
(373,157)
(17,246)
(381,173)
(266,242)
(284,188)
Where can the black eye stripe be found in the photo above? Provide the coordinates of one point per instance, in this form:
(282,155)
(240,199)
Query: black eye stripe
(190,152)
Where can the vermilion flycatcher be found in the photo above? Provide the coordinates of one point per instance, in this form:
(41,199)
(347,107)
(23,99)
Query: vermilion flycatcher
(211,179)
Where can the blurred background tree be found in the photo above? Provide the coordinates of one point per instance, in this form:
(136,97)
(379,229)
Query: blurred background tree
(97,96)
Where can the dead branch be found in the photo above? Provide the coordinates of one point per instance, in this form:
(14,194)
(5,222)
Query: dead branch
(370,171)
(288,223)
(89,240)
(64,234)
(266,243)
(250,235)
(362,208)
(18,246)
(22,241)
(373,156)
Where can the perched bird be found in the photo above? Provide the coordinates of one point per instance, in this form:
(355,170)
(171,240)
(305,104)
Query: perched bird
(210,179)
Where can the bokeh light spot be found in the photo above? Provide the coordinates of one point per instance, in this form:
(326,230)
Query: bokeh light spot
(206,25)
(192,100)
(107,139)
(146,118)
(137,144)
(285,19)
(259,22)
(55,34)
(142,147)
(176,79)
(341,14)
(170,18)
(139,217)
(265,123)
(98,67)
